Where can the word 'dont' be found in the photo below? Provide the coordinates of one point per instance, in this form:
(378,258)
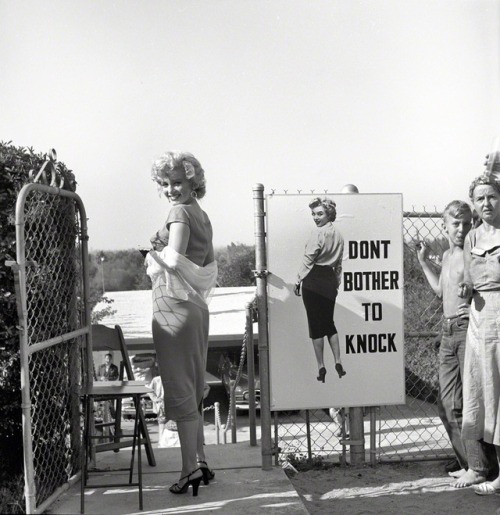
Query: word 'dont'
(369,249)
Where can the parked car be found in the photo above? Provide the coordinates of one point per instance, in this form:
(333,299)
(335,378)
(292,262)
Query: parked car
(128,408)
(228,372)
(241,393)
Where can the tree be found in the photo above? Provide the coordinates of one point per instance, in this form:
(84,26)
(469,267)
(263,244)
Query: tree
(119,270)
(236,264)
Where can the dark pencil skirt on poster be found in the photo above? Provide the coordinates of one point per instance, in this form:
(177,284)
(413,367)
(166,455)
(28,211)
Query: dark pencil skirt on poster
(319,291)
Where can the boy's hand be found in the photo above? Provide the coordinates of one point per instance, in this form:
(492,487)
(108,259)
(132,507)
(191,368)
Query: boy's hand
(296,289)
(422,251)
(463,310)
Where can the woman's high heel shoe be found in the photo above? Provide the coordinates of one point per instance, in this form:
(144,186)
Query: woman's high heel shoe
(322,374)
(340,370)
(178,489)
(208,474)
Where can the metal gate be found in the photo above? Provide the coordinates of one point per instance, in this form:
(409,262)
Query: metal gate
(52,291)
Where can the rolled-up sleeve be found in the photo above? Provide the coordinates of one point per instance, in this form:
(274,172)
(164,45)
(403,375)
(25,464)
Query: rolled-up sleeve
(325,247)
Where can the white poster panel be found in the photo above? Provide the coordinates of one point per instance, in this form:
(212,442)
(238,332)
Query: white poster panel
(368,311)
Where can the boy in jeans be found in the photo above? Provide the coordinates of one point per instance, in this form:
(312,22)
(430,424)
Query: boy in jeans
(472,456)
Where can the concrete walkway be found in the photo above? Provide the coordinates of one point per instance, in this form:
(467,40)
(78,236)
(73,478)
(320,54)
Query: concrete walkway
(240,486)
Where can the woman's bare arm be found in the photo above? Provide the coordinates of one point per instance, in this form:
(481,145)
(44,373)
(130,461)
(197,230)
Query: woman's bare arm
(178,237)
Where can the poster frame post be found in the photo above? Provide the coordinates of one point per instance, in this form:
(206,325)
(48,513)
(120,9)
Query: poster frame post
(357,436)
(261,274)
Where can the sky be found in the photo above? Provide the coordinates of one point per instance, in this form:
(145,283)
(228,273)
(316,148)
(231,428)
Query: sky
(395,96)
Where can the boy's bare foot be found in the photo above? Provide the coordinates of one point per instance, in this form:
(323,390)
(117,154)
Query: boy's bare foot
(471,477)
(457,473)
(452,465)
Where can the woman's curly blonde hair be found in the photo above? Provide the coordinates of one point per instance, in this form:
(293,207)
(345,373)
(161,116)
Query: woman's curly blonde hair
(485,179)
(183,161)
(327,204)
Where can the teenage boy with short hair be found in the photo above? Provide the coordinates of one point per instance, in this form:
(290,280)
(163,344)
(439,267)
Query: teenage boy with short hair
(471,455)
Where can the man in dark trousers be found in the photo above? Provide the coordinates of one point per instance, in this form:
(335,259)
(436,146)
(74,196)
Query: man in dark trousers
(108,371)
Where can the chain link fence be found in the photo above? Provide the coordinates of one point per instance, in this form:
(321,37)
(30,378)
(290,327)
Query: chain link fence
(398,425)
(412,431)
(52,319)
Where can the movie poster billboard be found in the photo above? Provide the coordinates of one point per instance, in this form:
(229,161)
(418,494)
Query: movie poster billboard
(368,312)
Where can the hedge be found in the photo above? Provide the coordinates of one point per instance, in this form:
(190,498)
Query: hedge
(18,166)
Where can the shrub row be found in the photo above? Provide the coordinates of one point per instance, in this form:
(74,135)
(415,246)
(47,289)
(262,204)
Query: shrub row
(18,165)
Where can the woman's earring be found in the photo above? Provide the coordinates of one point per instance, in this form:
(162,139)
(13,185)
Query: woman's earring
(194,194)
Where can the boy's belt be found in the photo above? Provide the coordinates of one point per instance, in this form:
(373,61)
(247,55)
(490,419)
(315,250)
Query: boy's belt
(448,323)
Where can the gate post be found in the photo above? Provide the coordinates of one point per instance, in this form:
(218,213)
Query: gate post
(261,279)
(357,436)
(19,270)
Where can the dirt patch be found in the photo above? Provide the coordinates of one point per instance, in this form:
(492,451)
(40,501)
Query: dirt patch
(411,488)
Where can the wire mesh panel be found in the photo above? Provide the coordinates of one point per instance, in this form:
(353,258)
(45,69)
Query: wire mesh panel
(54,417)
(412,431)
(52,292)
(308,433)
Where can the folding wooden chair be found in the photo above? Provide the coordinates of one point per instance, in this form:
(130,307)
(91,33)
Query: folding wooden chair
(111,339)
(108,339)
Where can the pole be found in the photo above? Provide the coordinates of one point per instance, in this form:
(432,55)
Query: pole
(251,375)
(308,433)
(102,274)
(356,424)
(373,437)
(261,280)
(357,436)
(232,407)
(217,421)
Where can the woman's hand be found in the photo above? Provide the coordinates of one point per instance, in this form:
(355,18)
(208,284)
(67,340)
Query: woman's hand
(296,289)
(465,290)
(492,162)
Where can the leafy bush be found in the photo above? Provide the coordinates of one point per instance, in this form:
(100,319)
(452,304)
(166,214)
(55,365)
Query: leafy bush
(12,496)
(302,463)
(16,164)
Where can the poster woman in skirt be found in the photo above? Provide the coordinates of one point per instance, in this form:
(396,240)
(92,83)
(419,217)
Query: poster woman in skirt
(319,276)
(183,273)
(481,383)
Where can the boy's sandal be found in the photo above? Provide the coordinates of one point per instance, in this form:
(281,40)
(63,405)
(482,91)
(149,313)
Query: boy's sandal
(486,489)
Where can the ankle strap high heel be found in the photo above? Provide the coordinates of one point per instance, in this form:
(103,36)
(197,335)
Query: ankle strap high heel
(178,489)
(208,474)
